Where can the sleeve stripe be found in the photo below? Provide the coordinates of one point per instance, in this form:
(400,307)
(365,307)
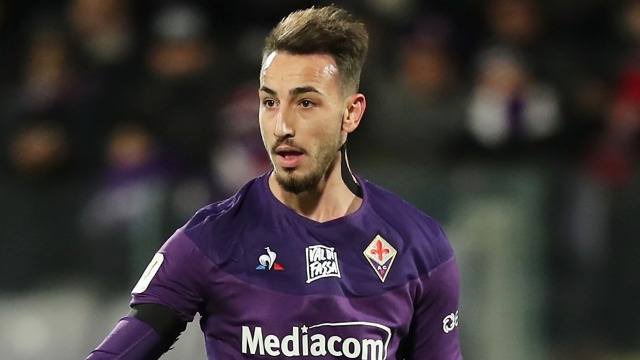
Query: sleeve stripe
(161,318)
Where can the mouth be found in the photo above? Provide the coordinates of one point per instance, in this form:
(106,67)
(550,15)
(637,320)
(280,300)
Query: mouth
(288,156)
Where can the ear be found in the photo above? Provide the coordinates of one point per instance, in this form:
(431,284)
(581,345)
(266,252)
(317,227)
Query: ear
(355,106)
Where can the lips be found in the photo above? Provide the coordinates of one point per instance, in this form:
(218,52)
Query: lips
(288,156)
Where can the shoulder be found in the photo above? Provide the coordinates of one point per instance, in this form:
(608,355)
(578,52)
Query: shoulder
(211,218)
(421,235)
(392,208)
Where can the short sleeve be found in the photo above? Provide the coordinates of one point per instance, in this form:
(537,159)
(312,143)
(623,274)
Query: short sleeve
(435,323)
(174,277)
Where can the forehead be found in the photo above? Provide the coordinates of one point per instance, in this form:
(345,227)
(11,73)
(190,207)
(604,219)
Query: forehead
(291,70)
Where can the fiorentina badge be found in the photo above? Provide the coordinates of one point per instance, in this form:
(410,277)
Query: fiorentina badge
(380,255)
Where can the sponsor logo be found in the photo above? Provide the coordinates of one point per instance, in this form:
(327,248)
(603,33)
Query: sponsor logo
(380,255)
(322,262)
(319,340)
(268,261)
(148,274)
(450,322)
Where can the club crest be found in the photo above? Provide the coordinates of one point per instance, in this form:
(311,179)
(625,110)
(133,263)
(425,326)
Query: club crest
(380,255)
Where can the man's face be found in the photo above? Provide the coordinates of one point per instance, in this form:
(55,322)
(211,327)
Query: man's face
(301,112)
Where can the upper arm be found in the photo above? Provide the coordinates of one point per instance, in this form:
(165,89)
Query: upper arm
(166,297)
(434,332)
(174,278)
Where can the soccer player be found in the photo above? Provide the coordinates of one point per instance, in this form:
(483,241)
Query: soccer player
(308,260)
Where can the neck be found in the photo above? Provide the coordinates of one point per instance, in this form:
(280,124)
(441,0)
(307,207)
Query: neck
(329,200)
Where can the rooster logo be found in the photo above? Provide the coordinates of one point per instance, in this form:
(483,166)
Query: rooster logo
(268,261)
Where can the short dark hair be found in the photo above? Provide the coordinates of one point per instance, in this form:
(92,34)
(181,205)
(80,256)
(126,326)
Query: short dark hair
(327,30)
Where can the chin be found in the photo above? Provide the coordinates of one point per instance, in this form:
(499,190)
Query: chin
(296,184)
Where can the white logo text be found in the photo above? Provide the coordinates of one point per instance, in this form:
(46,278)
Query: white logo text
(301,343)
(322,261)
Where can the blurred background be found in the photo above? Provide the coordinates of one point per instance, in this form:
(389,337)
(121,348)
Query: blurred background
(515,123)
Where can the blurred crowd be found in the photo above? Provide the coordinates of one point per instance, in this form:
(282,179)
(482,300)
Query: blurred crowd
(119,119)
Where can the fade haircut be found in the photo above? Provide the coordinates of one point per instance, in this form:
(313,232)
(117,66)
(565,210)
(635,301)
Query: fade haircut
(327,30)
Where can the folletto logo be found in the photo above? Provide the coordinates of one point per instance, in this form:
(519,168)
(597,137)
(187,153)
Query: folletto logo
(321,340)
(450,322)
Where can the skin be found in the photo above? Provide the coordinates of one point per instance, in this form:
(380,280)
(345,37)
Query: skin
(305,116)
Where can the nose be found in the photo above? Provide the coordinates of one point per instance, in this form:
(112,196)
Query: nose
(283,126)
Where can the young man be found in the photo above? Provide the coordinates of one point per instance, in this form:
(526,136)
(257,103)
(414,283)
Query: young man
(308,260)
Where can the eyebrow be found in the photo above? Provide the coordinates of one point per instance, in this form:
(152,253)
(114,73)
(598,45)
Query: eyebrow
(293,92)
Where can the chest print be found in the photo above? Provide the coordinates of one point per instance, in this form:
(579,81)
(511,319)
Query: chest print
(322,262)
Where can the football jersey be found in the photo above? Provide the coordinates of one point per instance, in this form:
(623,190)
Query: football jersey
(380,283)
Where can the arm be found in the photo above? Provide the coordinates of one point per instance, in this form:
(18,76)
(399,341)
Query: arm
(164,301)
(146,333)
(434,326)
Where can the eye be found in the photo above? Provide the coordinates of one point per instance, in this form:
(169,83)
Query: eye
(269,103)
(306,103)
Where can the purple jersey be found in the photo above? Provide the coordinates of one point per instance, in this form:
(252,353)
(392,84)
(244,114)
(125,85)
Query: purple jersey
(380,283)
